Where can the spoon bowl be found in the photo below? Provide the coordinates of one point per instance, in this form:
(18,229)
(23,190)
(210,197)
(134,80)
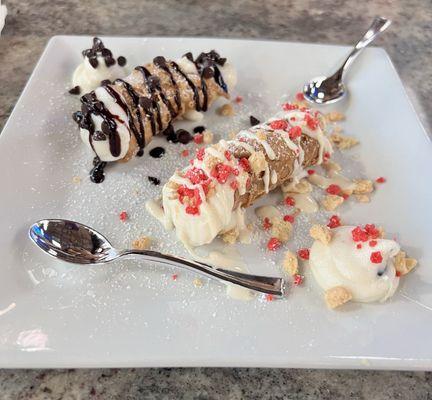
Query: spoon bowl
(79,244)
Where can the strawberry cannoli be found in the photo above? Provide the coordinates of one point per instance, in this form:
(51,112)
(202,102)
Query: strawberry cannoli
(208,198)
(119,118)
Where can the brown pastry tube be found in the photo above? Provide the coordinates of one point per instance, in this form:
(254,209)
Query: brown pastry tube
(118,119)
(232,175)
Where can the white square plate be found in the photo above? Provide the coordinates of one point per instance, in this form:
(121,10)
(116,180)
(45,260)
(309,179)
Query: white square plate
(130,314)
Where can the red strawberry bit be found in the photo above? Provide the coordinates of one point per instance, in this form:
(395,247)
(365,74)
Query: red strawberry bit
(198,138)
(311,171)
(398,274)
(292,118)
(359,235)
(238,99)
(376,257)
(221,172)
(235,172)
(303,254)
(267,224)
(289,218)
(294,132)
(200,153)
(123,216)
(234,185)
(244,163)
(279,124)
(372,231)
(227,155)
(381,179)
(359,245)
(327,156)
(174,277)
(185,153)
(334,222)
(345,196)
(311,122)
(269,297)
(191,162)
(298,279)
(333,189)
(273,244)
(289,201)
(192,210)
(196,175)
(299,96)
(373,243)
(289,106)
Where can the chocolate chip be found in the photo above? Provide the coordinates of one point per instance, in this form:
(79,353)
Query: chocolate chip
(109,61)
(159,61)
(105,82)
(93,62)
(98,106)
(99,136)
(169,131)
(207,73)
(254,121)
(221,61)
(199,129)
(172,137)
(154,180)
(75,90)
(189,56)
(183,136)
(77,116)
(146,103)
(106,53)
(121,61)
(97,44)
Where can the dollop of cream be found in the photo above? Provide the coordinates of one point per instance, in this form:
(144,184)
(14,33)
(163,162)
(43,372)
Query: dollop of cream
(341,263)
(89,78)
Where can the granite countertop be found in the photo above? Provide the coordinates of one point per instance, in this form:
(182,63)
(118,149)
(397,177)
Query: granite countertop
(28,27)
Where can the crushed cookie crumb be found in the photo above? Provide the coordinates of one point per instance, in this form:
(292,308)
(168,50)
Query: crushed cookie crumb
(321,233)
(207,136)
(331,166)
(337,296)
(363,186)
(280,229)
(142,243)
(343,142)
(403,264)
(332,201)
(362,198)
(290,263)
(226,110)
(76,180)
(257,162)
(335,116)
(303,186)
(197,282)
(230,237)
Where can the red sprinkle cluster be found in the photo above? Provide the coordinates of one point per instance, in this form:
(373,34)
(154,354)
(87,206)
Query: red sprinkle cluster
(200,154)
(185,153)
(311,122)
(273,244)
(269,297)
(289,218)
(221,172)
(123,216)
(279,124)
(299,96)
(381,179)
(238,99)
(368,233)
(294,132)
(303,254)
(289,106)
(289,201)
(334,222)
(267,224)
(244,163)
(194,199)
(311,171)
(298,279)
(333,189)
(198,138)
(376,257)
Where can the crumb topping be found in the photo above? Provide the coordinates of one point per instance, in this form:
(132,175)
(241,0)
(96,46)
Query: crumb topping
(332,201)
(290,263)
(321,233)
(343,142)
(227,110)
(337,296)
(142,243)
(363,186)
(403,264)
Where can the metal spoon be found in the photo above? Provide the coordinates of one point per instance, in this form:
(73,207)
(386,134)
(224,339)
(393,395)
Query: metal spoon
(78,244)
(323,90)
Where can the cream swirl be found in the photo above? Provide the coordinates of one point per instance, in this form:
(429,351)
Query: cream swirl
(367,271)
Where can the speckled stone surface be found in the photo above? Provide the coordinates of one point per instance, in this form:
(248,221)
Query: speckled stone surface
(28,27)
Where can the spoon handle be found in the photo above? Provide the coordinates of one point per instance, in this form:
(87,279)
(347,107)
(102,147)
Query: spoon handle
(378,25)
(263,284)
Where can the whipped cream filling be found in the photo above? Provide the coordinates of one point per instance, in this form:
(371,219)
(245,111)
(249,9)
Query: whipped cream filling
(89,78)
(341,263)
(216,214)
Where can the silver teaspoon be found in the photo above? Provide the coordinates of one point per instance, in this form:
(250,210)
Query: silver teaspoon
(78,244)
(325,90)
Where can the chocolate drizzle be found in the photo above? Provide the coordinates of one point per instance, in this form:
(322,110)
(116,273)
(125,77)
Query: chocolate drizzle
(97,173)
(207,65)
